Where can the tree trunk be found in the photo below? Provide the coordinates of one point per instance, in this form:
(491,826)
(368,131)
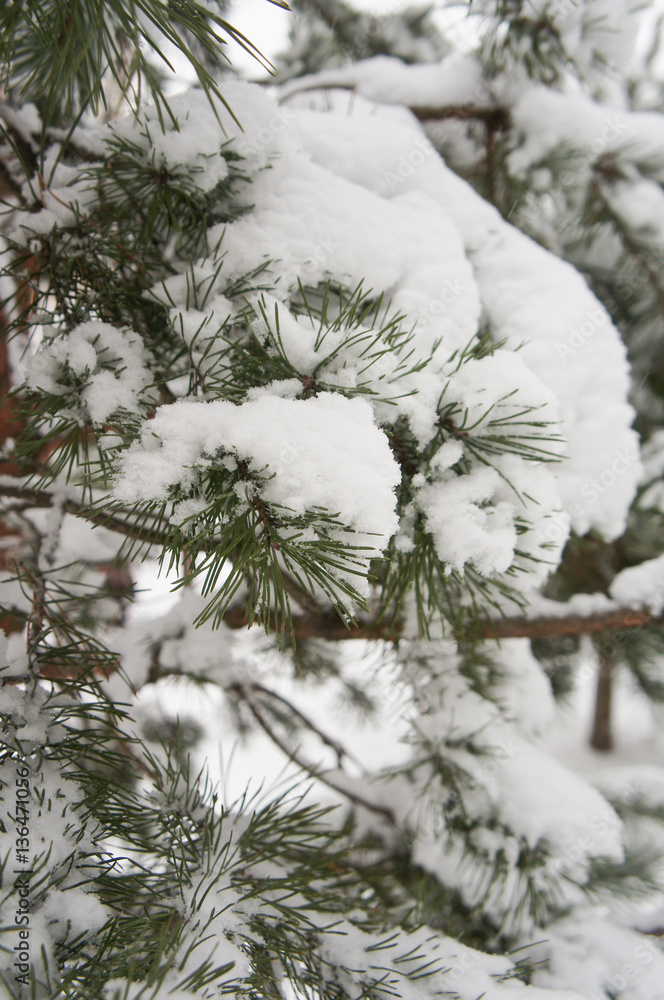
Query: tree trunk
(602,738)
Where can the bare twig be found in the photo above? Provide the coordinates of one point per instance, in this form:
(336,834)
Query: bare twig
(496,118)
(245,693)
(329,741)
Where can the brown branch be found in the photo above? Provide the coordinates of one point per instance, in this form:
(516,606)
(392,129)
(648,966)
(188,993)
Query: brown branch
(321,625)
(496,119)
(327,625)
(546,628)
(297,593)
(314,623)
(318,623)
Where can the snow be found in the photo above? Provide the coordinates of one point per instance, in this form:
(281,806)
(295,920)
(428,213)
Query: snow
(542,800)
(641,586)
(78,540)
(457,969)
(601,959)
(516,786)
(521,286)
(15,654)
(211,904)
(339,459)
(306,214)
(323,452)
(523,690)
(28,712)
(386,79)
(639,204)
(521,289)
(582,123)
(26,119)
(466,527)
(95,366)
(188,142)
(627,784)
(583,605)
(359,358)
(62,192)
(399,221)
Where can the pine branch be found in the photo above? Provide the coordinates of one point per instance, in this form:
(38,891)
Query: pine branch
(318,623)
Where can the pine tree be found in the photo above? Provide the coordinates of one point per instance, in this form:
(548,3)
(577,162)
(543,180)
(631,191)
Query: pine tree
(274,343)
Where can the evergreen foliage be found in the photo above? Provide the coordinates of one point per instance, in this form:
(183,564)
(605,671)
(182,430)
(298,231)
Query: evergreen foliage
(352,464)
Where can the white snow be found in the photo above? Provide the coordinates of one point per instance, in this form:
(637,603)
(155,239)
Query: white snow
(209,654)
(466,527)
(386,79)
(524,789)
(530,297)
(363,197)
(641,586)
(323,452)
(95,366)
(601,959)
